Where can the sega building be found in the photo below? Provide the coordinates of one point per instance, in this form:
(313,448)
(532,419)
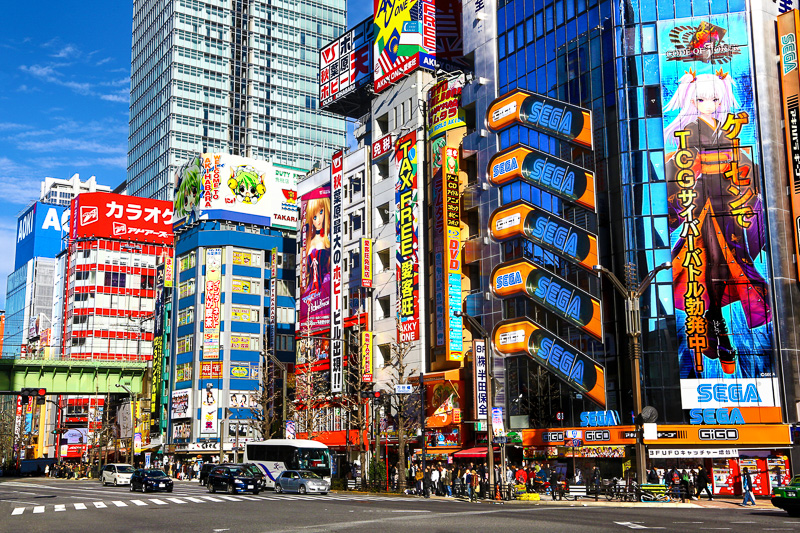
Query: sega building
(236,219)
(657,178)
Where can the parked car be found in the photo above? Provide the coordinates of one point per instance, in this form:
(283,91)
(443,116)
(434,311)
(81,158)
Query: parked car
(787,497)
(233,479)
(116,474)
(150,479)
(301,481)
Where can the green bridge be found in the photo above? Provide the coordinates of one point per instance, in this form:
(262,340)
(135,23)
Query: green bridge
(71,376)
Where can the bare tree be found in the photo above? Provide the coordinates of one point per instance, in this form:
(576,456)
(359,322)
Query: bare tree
(354,404)
(6,430)
(265,402)
(312,389)
(407,407)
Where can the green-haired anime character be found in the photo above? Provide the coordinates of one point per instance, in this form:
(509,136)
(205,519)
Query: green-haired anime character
(189,188)
(247,184)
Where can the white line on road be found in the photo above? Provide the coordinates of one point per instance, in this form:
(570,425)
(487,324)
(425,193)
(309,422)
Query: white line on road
(82,506)
(198,500)
(63,507)
(413,510)
(213,499)
(230,498)
(20,510)
(161,502)
(250,498)
(178,500)
(140,502)
(38,509)
(120,503)
(101,505)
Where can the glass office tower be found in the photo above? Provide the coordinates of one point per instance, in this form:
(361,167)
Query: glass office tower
(236,77)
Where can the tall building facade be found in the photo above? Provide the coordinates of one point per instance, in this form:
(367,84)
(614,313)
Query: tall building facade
(236,77)
(61,192)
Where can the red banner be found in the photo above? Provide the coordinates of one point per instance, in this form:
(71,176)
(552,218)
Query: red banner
(127,218)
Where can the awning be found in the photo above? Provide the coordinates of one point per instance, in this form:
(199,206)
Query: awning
(474,453)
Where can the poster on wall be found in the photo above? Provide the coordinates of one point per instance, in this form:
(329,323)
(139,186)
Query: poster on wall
(405,39)
(716,217)
(181,406)
(212,303)
(315,261)
(407,229)
(208,400)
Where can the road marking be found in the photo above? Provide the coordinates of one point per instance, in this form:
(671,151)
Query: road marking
(198,500)
(18,510)
(178,500)
(158,502)
(140,502)
(82,506)
(634,525)
(100,505)
(230,498)
(412,510)
(38,509)
(60,507)
(213,499)
(250,498)
(119,503)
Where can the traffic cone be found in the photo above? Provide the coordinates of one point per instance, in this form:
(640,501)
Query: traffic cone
(497,492)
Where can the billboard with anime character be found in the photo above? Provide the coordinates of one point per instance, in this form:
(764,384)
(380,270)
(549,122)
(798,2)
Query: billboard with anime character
(315,261)
(716,214)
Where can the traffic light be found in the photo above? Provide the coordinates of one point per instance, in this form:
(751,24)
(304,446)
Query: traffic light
(33,392)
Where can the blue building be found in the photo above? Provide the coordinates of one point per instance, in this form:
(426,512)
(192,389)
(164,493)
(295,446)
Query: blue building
(221,327)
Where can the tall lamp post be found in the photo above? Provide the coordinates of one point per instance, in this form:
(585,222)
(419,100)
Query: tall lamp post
(133,421)
(633,327)
(489,390)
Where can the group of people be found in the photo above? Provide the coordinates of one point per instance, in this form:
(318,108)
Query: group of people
(68,470)
(683,483)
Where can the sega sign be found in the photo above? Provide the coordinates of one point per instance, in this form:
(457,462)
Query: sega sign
(720,393)
(716,416)
(39,232)
(599,418)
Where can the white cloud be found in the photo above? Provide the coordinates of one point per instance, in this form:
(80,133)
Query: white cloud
(67,51)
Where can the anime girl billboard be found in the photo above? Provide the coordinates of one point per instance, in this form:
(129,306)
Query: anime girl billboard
(315,261)
(716,214)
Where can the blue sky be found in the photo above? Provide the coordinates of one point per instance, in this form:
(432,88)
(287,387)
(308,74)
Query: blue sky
(64,98)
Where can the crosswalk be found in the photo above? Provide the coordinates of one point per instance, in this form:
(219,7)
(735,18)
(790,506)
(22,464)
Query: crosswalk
(182,500)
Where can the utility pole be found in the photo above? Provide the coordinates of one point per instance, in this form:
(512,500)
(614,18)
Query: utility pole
(632,295)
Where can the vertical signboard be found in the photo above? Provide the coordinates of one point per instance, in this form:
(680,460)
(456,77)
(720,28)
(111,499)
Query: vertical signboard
(405,39)
(315,261)
(444,108)
(407,219)
(498,426)
(366,262)
(158,349)
(716,216)
(790,89)
(211,311)
(452,241)
(208,400)
(337,269)
(437,199)
(479,367)
(345,64)
(367,357)
(169,271)
(273,297)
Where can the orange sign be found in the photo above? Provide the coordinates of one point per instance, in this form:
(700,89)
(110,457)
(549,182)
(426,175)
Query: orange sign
(565,180)
(521,219)
(772,435)
(553,117)
(579,371)
(522,277)
(601,436)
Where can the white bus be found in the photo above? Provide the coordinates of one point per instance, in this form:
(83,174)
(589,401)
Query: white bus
(276,455)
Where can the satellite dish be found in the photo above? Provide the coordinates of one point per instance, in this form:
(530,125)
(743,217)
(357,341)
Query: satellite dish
(649,414)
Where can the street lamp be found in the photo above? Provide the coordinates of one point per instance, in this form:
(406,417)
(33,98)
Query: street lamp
(133,420)
(489,390)
(633,327)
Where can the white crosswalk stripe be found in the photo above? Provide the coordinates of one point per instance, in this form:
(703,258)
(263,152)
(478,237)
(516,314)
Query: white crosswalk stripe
(20,510)
(250,498)
(101,505)
(140,502)
(198,500)
(120,503)
(233,498)
(82,506)
(40,508)
(63,507)
(213,499)
(161,502)
(178,500)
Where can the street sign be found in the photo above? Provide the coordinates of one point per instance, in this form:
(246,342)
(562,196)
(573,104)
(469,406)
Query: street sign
(500,440)
(403,389)
(573,434)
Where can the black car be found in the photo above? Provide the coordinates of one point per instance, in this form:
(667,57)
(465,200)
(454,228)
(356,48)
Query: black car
(150,479)
(253,469)
(232,479)
(205,469)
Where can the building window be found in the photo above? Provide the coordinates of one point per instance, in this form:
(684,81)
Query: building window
(245,258)
(245,286)
(184,344)
(244,314)
(384,307)
(245,342)
(386,353)
(187,261)
(186,316)
(384,260)
(186,288)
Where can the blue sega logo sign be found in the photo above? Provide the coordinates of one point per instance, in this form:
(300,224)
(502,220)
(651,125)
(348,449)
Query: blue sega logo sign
(716,416)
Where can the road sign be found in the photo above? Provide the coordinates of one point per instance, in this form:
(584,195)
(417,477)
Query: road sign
(403,389)
(560,415)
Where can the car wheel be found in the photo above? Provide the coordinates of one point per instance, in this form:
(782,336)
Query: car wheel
(324,493)
(255,492)
(115,482)
(231,489)
(145,489)
(170,489)
(211,488)
(302,489)
(132,485)
(279,489)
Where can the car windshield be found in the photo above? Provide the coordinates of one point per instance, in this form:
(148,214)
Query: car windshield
(252,469)
(307,474)
(240,471)
(154,473)
(314,459)
(125,469)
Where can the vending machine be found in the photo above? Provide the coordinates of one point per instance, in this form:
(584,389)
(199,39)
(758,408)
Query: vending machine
(758,474)
(778,467)
(724,473)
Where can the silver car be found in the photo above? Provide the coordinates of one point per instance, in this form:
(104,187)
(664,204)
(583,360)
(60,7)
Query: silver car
(301,481)
(116,474)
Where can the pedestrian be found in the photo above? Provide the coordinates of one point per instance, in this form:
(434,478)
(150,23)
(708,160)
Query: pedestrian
(652,476)
(597,480)
(702,484)
(435,481)
(747,488)
(554,479)
(474,485)
(195,470)
(47,471)
(419,478)
(448,482)
(684,485)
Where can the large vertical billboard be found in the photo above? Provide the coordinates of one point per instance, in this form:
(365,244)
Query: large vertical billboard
(337,272)
(405,39)
(39,232)
(211,313)
(224,186)
(716,216)
(407,230)
(452,253)
(315,261)
(345,64)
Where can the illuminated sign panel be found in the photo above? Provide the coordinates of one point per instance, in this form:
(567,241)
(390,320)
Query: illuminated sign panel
(549,173)
(367,375)
(337,272)
(407,221)
(522,336)
(523,278)
(521,219)
(559,119)
(452,240)
(366,262)
(444,108)
(345,64)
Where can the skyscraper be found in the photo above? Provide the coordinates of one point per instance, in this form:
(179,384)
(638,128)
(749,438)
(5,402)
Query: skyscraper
(234,76)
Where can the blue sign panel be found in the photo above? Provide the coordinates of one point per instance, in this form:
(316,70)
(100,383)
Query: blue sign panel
(39,232)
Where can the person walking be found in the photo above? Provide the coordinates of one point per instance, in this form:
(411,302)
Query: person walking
(652,476)
(475,482)
(435,475)
(684,485)
(448,482)
(597,480)
(747,488)
(702,484)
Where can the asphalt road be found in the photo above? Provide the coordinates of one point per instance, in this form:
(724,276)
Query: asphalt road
(46,505)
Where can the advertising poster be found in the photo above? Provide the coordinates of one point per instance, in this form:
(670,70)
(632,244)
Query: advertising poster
(716,216)
(212,303)
(337,270)
(346,63)
(444,105)
(158,348)
(405,39)
(452,243)
(181,406)
(443,398)
(208,411)
(315,261)
(479,365)
(127,218)
(210,185)
(367,357)
(407,228)
(211,370)
(39,232)
(498,427)
(244,370)
(440,329)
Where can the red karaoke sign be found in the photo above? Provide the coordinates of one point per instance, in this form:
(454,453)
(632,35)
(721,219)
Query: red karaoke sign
(127,218)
